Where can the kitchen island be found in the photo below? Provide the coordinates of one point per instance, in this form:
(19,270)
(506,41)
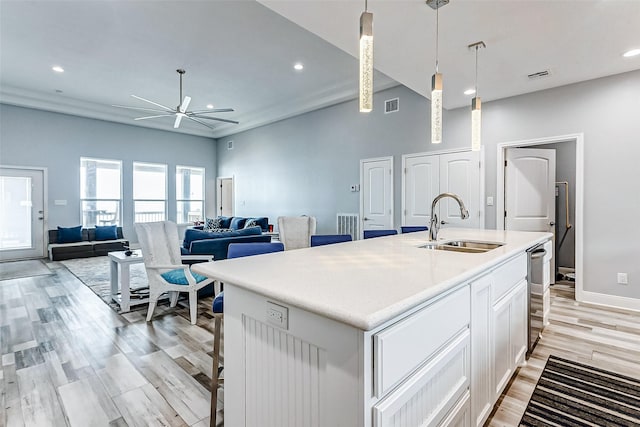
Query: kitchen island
(376,332)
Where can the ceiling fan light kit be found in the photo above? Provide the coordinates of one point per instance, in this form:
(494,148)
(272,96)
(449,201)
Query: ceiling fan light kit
(181,111)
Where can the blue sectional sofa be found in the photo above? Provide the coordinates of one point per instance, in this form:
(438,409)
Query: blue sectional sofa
(239,222)
(216,243)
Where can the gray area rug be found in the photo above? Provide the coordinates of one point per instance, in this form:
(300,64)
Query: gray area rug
(95,273)
(18,269)
(572,394)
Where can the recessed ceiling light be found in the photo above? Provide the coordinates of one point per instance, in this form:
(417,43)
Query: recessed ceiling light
(469,91)
(632,52)
(298,66)
(210,106)
(57,69)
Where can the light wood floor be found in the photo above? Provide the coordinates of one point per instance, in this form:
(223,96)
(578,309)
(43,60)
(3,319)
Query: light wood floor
(593,335)
(70,360)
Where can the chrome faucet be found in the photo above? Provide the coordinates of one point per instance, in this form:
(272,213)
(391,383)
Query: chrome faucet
(434,227)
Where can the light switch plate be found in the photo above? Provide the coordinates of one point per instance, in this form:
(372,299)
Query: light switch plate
(490,201)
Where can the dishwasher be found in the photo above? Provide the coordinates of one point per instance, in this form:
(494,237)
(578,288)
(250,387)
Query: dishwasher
(535,266)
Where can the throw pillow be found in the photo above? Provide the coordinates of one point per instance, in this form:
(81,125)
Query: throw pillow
(107,232)
(213,223)
(70,234)
(251,223)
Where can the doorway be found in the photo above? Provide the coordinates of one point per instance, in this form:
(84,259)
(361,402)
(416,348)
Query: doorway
(225,196)
(376,197)
(578,164)
(22,213)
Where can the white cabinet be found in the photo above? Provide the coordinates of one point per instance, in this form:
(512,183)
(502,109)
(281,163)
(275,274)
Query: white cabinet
(498,333)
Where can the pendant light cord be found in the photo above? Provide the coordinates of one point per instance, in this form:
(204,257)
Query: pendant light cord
(437,33)
(476,71)
(365,5)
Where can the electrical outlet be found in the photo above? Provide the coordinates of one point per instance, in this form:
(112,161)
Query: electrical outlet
(623,279)
(277,315)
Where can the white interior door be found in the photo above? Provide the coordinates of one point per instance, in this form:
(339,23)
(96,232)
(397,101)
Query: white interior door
(225,197)
(376,196)
(21,214)
(421,186)
(460,174)
(529,192)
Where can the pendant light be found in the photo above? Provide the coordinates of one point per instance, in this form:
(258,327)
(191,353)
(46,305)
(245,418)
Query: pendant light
(476,107)
(436,82)
(366,61)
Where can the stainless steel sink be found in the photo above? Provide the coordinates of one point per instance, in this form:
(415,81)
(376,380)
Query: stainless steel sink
(467,246)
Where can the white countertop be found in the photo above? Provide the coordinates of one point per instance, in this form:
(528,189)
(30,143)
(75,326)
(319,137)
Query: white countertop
(367,282)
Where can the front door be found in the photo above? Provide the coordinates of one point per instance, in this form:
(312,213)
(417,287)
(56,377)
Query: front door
(21,213)
(376,197)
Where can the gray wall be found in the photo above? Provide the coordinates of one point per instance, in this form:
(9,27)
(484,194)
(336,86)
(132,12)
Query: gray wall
(31,137)
(606,110)
(306,164)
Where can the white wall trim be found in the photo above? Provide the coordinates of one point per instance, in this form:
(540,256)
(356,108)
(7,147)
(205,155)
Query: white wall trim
(578,138)
(610,300)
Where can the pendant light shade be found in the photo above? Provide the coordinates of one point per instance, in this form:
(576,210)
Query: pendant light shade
(366,61)
(436,108)
(476,107)
(476,124)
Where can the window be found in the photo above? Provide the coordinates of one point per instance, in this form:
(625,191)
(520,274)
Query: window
(189,194)
(100,191)
(149,192)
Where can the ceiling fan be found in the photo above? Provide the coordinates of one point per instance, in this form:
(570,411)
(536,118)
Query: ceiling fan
(181,110)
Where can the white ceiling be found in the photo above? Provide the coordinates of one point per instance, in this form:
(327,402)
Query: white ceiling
(240,54)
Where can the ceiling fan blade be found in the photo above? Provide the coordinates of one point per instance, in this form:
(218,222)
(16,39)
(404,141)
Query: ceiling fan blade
(199,121)
(138,108)
(153,117)
(213,110)
(176,124)
(154,103)
(213,118)
(185,104)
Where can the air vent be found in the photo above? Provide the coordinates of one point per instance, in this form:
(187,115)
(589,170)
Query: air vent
(539,74)
(229,145)
(391,105)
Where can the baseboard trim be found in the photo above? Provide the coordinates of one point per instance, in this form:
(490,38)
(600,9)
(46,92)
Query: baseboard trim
(614,301)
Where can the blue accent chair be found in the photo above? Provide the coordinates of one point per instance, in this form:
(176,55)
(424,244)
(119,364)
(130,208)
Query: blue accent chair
(238,250)
(329,239)
(370,234)
(413,228)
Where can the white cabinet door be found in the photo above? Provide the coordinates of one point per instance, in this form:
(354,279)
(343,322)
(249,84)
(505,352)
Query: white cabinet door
(460,174)
(421,186)
(519,323)
(482,351)
(502,362)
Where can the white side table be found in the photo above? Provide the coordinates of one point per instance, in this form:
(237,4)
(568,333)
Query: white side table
(120,278)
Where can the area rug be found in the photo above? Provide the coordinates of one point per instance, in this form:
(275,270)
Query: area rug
(573,394)
(95,273)
(17,269)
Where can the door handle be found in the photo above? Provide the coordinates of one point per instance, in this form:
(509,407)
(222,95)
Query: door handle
(366,219)
(40,217)
(443,222)
(552,223)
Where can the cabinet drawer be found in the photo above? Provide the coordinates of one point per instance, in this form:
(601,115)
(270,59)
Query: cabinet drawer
(433,394)
(507,275)
(403,346)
